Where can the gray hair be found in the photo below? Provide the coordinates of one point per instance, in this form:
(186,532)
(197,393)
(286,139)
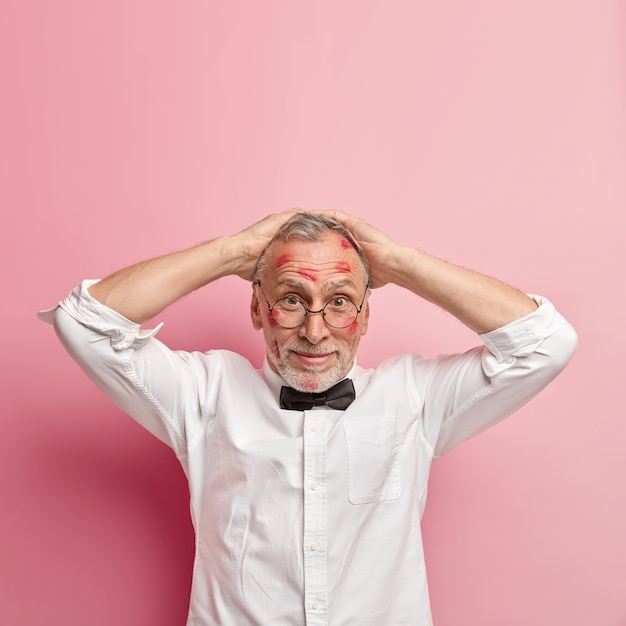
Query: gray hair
(310,227)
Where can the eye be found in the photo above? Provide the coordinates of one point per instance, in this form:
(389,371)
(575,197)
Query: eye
(339,303)
(289,304)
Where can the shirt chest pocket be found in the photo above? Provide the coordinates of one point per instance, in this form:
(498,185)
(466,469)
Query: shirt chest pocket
(373,466)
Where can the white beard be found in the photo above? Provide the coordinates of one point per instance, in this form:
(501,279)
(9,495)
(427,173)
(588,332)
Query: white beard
(312,379)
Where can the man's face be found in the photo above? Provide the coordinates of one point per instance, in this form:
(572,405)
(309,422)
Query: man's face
(314,356)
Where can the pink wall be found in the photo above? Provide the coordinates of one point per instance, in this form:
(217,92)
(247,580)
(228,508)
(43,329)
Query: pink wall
(489,133)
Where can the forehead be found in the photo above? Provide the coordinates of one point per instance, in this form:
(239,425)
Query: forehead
(330,258)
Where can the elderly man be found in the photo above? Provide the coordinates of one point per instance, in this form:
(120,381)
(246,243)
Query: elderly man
(308,478)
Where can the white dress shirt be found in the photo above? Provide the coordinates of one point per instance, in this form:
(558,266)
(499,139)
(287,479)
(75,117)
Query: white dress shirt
(310,517)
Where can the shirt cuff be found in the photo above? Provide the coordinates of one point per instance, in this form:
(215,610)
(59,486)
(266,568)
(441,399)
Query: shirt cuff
(521,337)
(85,309)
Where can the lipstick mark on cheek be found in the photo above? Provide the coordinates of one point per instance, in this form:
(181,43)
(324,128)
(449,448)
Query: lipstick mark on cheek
(351,330)
(344,268)
(275,349)
(271,320)
(345,244)
(282,259)
(308,274)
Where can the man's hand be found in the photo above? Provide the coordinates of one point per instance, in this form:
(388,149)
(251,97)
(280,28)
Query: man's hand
(379,249)
(248,245)
(481,302)
(143,290)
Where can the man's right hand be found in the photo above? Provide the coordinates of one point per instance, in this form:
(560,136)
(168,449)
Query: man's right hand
(143,290)
(249,244)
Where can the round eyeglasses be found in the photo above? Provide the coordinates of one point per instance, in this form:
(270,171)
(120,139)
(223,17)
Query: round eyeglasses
(290,312)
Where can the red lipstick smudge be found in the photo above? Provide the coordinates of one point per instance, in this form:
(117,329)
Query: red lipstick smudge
(345,244)
(351,330)
(308,274)
(282,259)
(344,268)
(309,385)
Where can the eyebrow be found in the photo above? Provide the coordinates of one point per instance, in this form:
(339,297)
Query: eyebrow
(328,287)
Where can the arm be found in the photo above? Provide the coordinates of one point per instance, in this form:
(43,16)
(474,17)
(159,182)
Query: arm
(482,303)
(166,391)
(527,342)
(143,290)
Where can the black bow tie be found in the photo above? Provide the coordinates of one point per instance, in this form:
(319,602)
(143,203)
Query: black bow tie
(339,396)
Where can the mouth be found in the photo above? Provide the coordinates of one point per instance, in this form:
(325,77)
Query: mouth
(313,359)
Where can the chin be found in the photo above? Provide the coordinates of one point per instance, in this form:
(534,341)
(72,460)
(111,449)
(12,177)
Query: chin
(309,381)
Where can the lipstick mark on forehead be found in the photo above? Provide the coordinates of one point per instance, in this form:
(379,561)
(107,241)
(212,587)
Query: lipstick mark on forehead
(344,268)
(308,274)
(345,244)
(282,259)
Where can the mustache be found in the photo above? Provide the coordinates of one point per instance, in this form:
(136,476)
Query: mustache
(308,348)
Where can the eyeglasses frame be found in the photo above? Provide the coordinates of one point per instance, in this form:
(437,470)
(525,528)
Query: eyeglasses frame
(307,311)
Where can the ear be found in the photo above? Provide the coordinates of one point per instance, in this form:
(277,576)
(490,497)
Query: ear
(255,310)
(364,318)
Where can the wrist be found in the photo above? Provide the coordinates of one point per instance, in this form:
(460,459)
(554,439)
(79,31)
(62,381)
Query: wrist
(235,257)
(399,266)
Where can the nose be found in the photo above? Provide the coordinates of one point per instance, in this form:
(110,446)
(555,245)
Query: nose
(314,328)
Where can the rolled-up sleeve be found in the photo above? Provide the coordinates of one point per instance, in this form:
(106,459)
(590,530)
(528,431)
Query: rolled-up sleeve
(86,310)
(166,391)
(516,363)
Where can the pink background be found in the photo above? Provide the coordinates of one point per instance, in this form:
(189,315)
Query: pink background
(489,133)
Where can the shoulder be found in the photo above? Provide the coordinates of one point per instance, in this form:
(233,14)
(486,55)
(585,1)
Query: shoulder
(396,371)
(392,366)
(225,360)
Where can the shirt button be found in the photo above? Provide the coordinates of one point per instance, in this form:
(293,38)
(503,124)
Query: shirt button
(314,546)
(314,486)
(315,429)
(315,605)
